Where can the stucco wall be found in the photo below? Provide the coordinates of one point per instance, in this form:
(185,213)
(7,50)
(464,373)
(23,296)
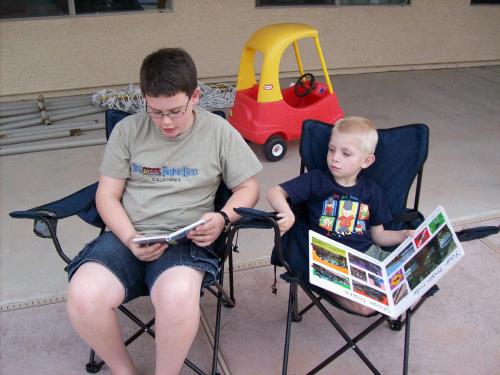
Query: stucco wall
(57,56)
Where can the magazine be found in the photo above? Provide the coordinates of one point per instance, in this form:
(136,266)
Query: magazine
(171,238)
(390,286)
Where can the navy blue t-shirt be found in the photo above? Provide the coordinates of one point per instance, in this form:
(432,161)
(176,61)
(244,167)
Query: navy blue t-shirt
(344,214)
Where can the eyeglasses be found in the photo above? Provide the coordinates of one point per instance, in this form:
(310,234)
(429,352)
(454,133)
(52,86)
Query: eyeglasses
(171,115)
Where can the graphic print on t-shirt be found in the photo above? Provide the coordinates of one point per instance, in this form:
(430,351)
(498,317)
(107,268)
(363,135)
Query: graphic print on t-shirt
(328,214)
(346,216)
(363,217)
(343,216)
(165,173)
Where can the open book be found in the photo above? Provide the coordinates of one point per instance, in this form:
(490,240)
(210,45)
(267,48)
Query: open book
(390,286)
(171,238)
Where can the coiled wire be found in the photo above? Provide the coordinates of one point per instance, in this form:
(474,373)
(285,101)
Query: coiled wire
(213,96)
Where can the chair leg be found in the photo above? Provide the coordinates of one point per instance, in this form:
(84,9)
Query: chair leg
(407,342)
(291,302)
(93,367)
(342,332)
(231,279)
(348,346)
(296,316)
(193,367)
(146,328)
(226,300)
(217,325)
(395,324)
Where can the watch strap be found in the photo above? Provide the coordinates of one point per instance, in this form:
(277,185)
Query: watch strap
(227,222)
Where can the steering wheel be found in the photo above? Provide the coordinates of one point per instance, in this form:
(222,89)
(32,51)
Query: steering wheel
(306,82)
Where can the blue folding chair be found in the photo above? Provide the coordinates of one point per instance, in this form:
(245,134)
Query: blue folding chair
(400,156)
(82,204)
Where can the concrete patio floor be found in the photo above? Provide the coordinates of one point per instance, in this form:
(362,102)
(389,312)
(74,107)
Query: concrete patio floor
(457,331)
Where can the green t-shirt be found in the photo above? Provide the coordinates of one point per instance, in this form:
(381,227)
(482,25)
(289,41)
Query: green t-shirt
(171,183)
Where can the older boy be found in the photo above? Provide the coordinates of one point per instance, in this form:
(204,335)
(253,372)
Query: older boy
(342,204)
(160,171)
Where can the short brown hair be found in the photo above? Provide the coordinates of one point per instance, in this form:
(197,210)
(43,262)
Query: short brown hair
(167,72)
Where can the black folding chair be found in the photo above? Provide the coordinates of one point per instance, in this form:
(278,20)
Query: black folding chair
(82,204)
(400,155)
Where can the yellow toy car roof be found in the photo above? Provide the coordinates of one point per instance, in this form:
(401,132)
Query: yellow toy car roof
(272,41)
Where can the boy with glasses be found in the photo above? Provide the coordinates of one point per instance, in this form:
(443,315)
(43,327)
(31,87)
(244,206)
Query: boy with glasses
(160,172)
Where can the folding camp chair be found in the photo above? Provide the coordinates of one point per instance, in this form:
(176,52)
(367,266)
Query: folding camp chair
(82,204)
(400,156)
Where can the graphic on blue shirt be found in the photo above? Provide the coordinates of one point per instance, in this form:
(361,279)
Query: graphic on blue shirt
(344,216)
(363,217)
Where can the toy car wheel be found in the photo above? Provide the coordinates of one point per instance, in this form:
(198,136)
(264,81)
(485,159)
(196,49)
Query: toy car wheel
(275,148)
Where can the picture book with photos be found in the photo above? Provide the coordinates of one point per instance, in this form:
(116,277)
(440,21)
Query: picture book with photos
(390,286)
(171,238)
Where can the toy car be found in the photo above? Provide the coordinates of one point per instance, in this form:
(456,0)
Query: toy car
(265,114)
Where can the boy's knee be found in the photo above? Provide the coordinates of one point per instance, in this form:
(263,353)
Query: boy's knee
(176,301)
(82,301)
(363,310)
(351,305)
(89,292)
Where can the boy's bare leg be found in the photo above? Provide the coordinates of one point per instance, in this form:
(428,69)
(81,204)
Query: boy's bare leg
(351,305)
(94,294)
(176,298)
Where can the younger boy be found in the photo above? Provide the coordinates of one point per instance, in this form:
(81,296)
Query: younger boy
(342,204)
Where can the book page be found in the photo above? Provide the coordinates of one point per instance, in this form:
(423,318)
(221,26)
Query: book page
(170,238)
(419,262)
(347,272)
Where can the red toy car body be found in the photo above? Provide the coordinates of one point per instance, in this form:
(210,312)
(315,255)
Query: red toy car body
(262,112)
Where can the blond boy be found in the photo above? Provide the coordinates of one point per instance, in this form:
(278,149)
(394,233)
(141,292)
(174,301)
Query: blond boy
(341,203)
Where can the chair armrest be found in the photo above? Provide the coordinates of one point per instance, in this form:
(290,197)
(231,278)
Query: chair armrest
(81,203)
(45,222)
(253,218)
(475,233)
(31,214)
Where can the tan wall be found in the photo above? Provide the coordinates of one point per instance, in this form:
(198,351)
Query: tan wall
(58,56)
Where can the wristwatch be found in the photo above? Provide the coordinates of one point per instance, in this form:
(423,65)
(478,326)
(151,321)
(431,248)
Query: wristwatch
(227,222)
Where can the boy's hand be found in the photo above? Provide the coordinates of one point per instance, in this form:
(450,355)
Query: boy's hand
(285,221)
(146,253)
(405,233)
(207,233)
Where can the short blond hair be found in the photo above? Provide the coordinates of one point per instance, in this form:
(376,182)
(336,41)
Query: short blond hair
(361,128)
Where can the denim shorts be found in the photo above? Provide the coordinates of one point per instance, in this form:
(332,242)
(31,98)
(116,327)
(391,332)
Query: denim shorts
(138,277)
